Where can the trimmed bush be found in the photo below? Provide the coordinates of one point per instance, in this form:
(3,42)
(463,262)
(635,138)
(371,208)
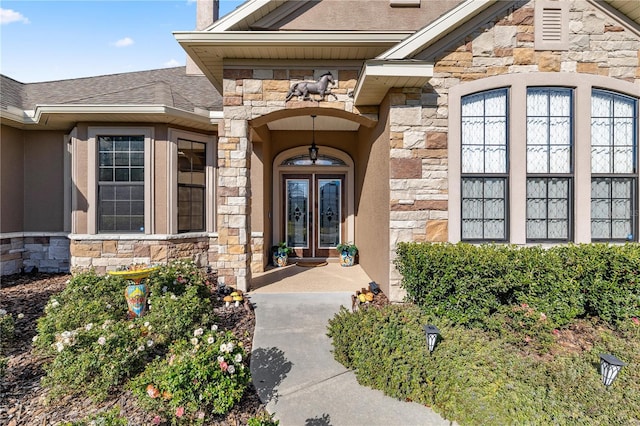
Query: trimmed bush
(474,378)
(468,283)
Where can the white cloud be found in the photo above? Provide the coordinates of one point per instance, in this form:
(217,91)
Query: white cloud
(8,16)
(172,63)
(124,42)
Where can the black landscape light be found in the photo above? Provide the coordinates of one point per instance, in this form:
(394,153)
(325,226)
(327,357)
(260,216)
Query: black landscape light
(432,333)
(610,366)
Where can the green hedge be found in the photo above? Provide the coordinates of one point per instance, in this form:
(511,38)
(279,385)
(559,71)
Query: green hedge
(468,283)
(474,378)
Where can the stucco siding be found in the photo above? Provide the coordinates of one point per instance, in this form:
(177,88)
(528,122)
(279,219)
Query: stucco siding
(359,15)
(44,181)
(11,179)
(372,201)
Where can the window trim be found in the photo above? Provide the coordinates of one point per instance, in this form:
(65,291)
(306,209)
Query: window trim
(172,179)
(583,85)
(92,174)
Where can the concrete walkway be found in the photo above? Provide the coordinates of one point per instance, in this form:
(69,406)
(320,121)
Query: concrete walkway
(296,376)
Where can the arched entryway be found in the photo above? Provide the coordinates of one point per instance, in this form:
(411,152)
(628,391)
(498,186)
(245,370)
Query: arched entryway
(313,203)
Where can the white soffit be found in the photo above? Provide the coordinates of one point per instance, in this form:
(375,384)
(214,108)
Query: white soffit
(321,123)
(437,29)
(65,116)
(631,8)
(210,49)
(377,77)
(627,12)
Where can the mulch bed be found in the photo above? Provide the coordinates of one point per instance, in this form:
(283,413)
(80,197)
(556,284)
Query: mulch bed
(24,402)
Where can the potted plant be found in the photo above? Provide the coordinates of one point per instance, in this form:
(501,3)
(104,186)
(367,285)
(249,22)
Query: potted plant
(281,254)
(347,252)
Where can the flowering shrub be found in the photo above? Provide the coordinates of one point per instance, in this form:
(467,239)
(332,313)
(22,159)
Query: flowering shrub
(205,374)
(93,349)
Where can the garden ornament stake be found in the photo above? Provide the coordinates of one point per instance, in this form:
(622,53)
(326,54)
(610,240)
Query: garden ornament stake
(610,366)
(432,333)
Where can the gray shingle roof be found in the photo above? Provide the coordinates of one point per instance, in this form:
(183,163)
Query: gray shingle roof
(10,92)
(167,86)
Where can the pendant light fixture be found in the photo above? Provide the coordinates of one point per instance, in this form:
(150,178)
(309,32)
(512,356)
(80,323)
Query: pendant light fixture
(313,149)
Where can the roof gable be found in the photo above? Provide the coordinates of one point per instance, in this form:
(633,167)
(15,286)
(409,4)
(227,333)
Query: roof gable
(353,15)
(322,15)
(627,12)
(246,15)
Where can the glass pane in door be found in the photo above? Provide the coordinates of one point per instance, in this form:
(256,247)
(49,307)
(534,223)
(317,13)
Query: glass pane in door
(297,213)
(329,212)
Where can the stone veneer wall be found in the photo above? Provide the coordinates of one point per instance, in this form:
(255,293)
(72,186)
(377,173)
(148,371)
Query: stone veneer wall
(257,252)
(418,174)
(248,94)
(419,118)
(47,253)
(110,254)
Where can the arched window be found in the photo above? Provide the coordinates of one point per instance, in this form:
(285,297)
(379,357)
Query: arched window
(304,160)
(550,158)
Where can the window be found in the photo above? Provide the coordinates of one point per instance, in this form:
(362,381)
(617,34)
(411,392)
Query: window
(565,170)
(121,183)
(484,166)
(304,160)
(613,166)
(191,185)
(549,163)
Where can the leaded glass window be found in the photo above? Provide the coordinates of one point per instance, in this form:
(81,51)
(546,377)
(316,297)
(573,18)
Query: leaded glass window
(548,206)
(121,183)
(613,165)
(483,208)
(484,132)
(549,163)
(484,166)
(191,185)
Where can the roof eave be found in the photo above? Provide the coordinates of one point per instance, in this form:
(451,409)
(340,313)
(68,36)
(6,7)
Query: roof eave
(264,44)
(43,115)
(244,13)
(437,29)
(377,77)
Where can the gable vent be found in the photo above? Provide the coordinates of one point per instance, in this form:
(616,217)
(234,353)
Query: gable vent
(551,25)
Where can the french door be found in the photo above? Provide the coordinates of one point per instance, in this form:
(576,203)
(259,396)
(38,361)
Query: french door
(313,213)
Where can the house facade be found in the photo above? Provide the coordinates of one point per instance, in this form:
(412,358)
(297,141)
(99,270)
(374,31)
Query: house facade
(475,120)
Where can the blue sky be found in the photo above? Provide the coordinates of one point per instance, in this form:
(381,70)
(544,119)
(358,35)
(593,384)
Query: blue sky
(43,40)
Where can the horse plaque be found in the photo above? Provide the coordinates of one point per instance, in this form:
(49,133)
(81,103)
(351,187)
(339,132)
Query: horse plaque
(305,89)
